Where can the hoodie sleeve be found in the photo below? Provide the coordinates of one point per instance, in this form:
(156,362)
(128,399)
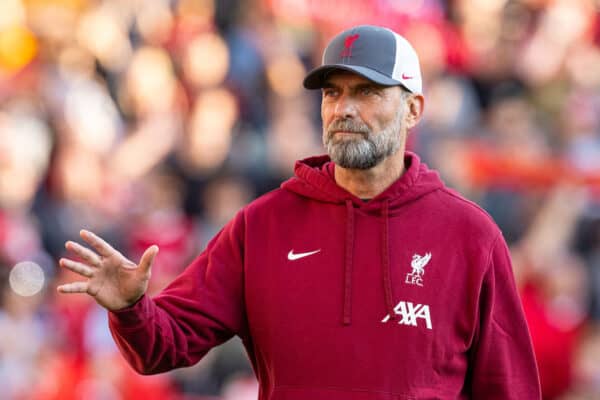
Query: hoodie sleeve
(201,308)
(503,364)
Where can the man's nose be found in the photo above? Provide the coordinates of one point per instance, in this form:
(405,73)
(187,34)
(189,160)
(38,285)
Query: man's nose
(346,107)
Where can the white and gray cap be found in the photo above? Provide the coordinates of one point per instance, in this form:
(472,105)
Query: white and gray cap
(376,53)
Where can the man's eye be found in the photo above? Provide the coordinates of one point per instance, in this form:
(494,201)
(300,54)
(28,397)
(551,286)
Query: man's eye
(329,92)
(366,91)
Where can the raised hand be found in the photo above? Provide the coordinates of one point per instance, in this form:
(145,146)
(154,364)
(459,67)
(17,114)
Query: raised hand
(112,280)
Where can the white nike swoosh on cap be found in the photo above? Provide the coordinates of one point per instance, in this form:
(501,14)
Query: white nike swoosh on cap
(292,256)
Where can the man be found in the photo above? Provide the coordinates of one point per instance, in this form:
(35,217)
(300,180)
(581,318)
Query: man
(362,277)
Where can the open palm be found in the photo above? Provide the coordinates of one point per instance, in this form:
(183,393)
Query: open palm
(113,281)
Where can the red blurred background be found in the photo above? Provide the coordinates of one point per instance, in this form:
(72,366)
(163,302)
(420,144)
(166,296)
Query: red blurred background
(155,122)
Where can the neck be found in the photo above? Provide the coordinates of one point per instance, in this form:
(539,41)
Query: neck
(368,183)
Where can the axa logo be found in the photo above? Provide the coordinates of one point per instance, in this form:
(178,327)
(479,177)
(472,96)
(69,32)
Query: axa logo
(348,43)
(417,264)
(410,313)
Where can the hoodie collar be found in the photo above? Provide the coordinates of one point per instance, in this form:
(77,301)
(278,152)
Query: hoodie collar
(314,179)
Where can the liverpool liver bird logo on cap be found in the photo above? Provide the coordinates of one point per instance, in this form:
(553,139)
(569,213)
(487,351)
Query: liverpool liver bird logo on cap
(348,43)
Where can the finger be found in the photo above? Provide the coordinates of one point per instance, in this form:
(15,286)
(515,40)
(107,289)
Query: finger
(77,267)
(73,287)
(83,252)
(99,244)
(148,258)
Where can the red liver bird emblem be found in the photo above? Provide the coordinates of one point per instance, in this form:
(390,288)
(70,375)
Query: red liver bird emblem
(348,43)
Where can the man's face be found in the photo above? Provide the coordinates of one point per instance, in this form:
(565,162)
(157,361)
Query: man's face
(362,121)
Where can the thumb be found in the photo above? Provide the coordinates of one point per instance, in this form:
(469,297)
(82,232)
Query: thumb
(148,258)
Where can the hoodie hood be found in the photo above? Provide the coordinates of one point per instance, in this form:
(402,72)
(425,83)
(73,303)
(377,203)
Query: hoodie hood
(315,179)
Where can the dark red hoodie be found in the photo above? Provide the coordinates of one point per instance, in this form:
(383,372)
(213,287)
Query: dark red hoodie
(407,296)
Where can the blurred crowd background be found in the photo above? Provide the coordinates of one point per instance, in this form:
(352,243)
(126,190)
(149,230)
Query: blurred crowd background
(154,121)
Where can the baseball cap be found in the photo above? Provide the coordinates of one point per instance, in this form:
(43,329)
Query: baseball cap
(376,53)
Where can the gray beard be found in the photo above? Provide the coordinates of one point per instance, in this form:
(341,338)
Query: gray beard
(362,152)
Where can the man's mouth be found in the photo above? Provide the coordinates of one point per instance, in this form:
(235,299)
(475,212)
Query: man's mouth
(347,133)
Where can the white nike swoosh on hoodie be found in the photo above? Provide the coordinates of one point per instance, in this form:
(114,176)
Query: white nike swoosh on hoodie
(291,256)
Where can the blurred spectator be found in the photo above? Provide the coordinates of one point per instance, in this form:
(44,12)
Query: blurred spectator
(22,340)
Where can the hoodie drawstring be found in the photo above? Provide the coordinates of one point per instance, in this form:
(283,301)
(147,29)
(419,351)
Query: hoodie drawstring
(347,317)
(385,262)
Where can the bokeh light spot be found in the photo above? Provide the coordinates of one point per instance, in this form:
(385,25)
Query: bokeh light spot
(26,278)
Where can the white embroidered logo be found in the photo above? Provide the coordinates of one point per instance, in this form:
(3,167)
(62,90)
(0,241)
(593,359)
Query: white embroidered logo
(295,256)
(418,264)
(410,313)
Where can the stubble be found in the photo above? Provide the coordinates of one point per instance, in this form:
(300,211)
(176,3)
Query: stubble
(364,150)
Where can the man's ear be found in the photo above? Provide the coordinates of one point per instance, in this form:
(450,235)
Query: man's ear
(415,105)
